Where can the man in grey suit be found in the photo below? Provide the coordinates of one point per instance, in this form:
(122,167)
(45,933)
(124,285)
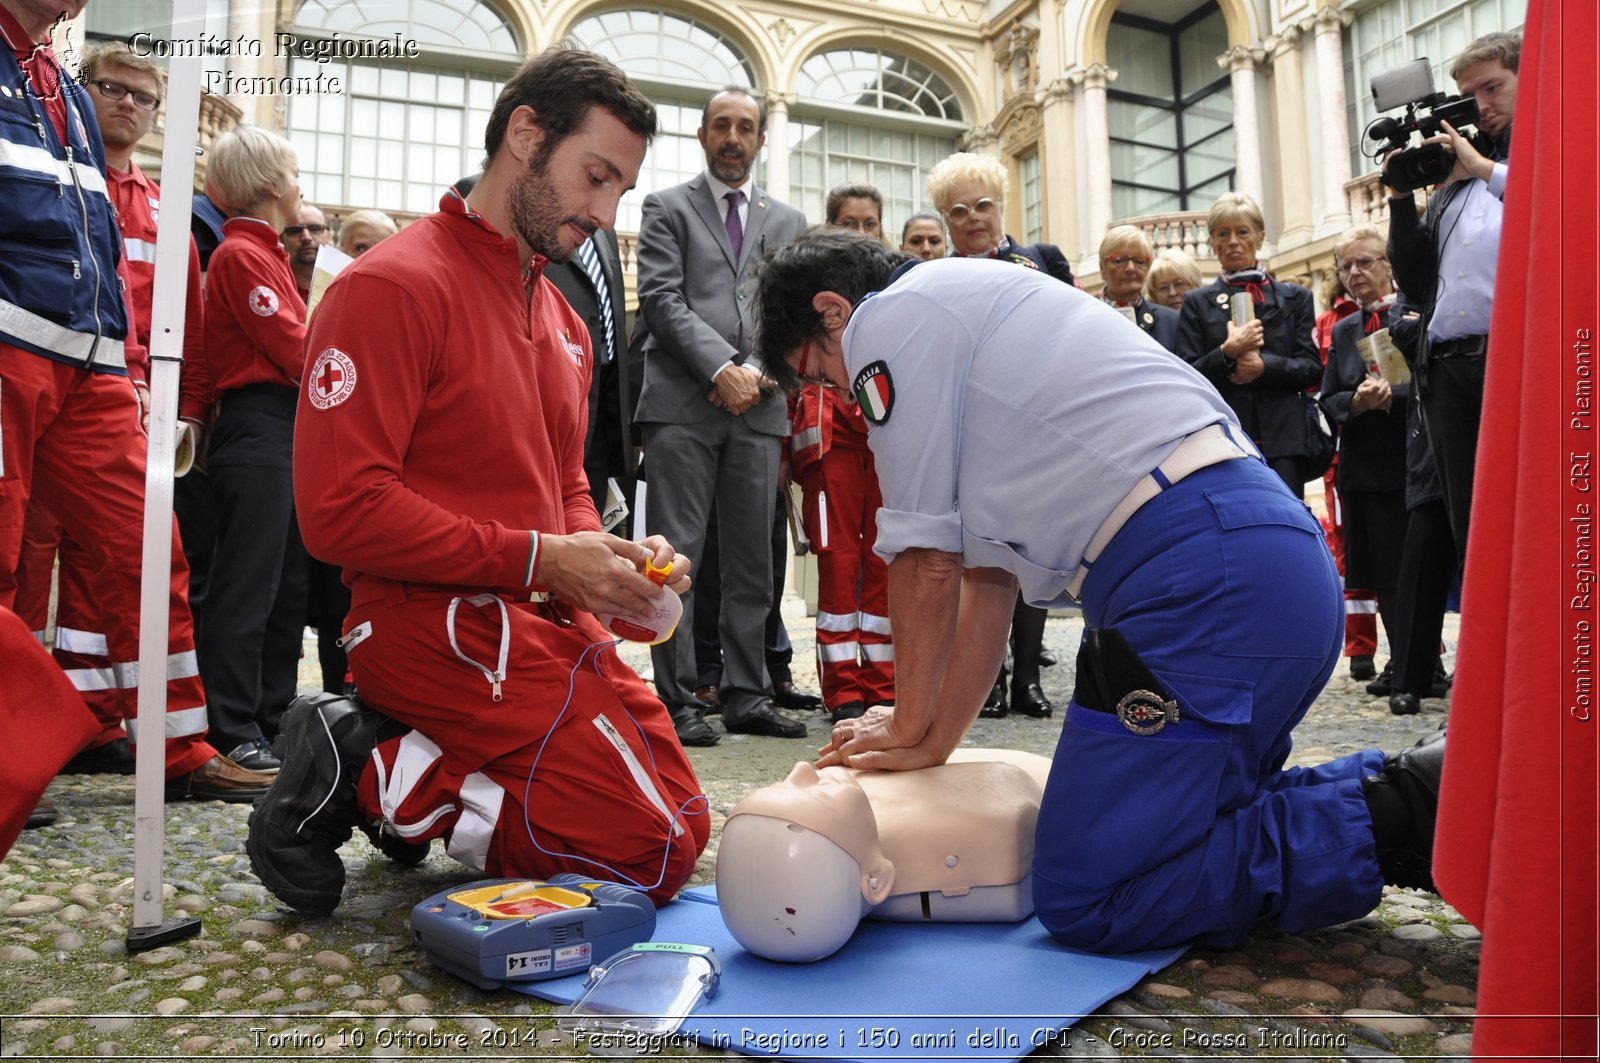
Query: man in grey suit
(591,281)
(712,420)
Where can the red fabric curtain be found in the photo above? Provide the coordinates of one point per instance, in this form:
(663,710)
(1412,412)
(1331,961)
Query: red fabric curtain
(1516,845)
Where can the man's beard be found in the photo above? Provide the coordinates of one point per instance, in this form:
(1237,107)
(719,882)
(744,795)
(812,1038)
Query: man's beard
(536,209)
(730,171)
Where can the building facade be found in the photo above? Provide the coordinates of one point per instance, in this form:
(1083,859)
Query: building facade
(1104,111)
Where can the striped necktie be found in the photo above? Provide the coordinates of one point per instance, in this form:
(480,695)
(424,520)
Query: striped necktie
(591,266)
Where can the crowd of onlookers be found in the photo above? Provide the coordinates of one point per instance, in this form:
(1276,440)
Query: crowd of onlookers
(1377,395)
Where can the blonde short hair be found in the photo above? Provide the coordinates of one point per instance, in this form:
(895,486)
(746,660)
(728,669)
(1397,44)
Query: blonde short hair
(1236,207)
(1120,236)
(375,219)
(1350,237)
(117,53)
(961,168)
(1170,264)
(248,166)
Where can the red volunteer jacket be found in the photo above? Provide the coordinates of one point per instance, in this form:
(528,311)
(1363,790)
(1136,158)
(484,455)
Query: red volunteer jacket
(441,424)
(255,330)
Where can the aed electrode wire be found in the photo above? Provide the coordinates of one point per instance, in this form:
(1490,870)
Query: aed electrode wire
(618,878)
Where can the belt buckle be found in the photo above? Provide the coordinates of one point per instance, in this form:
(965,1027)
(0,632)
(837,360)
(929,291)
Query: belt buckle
(1146,713)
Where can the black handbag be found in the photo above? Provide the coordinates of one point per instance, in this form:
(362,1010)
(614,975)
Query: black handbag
(1320,438)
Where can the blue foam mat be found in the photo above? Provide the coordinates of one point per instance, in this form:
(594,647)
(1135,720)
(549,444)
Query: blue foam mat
(925,991)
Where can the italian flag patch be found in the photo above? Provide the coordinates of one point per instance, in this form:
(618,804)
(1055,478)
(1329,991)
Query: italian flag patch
(875,392)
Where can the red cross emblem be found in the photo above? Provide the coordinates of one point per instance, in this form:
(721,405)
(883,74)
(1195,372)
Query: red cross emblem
(331,380)
(263,301)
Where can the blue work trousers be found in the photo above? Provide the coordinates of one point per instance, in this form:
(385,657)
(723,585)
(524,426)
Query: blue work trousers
(1223,586)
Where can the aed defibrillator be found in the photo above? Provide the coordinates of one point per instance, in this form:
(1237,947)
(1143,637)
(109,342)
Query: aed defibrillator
(523,930)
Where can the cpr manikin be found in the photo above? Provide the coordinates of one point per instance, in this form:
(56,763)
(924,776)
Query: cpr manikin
(803,861)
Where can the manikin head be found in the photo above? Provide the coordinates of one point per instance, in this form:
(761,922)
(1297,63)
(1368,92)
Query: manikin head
(799,865)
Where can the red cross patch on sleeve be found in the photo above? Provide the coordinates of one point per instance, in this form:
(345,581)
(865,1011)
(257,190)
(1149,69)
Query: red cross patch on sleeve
(263,300)
(331,380)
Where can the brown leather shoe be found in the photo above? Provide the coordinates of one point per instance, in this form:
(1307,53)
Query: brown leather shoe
(219,779)
(709,699)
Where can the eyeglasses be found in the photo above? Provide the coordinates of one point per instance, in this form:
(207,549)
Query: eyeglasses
(114,90)
(804,371)
(1118,261)
(296,230)
(1363,264)
(960,211)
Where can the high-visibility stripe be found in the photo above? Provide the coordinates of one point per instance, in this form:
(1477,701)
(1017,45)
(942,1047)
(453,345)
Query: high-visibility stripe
(87,680)
(843,622)
(838,652)
(1357,606)
(124,675)
(878,651)
(874,625)
(416,755)
(88,643)
(807,437)
(47,335)
(37,634)
(481,799)
(39,161)
(135,250)
(641,777)
(185,722)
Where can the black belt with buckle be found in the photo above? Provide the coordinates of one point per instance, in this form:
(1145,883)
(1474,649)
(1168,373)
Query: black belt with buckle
(1111,678)
(1461,347)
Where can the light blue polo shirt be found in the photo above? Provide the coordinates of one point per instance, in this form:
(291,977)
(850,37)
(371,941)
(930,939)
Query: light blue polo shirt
(1020,411)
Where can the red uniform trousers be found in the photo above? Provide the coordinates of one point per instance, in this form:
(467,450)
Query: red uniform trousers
(1360,604)
(612,793)
(42,723)
(855,653)
(71,438)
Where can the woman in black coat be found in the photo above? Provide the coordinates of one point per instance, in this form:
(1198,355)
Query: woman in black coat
(1262,367)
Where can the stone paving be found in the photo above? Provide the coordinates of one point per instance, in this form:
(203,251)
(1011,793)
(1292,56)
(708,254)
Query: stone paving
(262,982)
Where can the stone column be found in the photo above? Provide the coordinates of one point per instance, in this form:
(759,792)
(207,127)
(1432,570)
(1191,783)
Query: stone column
(1097,134)
(1058,131)
(1241,61)
(1330,22)
(1294,164)
(777,172)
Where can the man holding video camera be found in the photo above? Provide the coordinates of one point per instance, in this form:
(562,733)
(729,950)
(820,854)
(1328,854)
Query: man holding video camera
(1445,260)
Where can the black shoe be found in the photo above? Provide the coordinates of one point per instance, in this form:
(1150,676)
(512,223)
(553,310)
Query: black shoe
(311,810)
(256,755)
(1030,701)
(850,710)
(113,758)
(1383,686)
(1046,658)
(994,707)
(1403,800)
(1361,667)
(764,720)
(1404,704)
(43,814)
(692,727)
(396,848)
(1441,681)
(789,696)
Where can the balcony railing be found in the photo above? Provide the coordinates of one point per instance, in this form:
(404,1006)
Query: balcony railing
(1183,229)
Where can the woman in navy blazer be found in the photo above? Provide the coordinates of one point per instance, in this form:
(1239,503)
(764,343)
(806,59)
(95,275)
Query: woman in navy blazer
(1262,367)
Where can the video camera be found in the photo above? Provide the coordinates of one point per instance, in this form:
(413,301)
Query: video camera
(1411,86)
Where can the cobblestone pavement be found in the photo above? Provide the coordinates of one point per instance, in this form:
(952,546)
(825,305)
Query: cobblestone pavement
(264,982)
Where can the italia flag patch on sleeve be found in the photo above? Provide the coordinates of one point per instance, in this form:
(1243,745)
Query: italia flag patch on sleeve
(875,392)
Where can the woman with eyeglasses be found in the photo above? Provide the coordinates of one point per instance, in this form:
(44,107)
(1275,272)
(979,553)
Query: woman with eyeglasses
(1262,359)
(830,461)
(1125,257)
(1372,450)
(970,191)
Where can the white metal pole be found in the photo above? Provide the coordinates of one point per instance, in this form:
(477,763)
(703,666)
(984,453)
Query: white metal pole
(166,362)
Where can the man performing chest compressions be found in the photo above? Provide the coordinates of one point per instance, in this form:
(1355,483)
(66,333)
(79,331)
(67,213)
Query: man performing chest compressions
(1214,613)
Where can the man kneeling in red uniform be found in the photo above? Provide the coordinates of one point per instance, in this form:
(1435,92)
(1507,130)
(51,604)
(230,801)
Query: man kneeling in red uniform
(439,461)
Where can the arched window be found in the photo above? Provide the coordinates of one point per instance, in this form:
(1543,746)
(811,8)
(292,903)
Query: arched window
(1170,112)
(679,63)
(401,131)
(862,114)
